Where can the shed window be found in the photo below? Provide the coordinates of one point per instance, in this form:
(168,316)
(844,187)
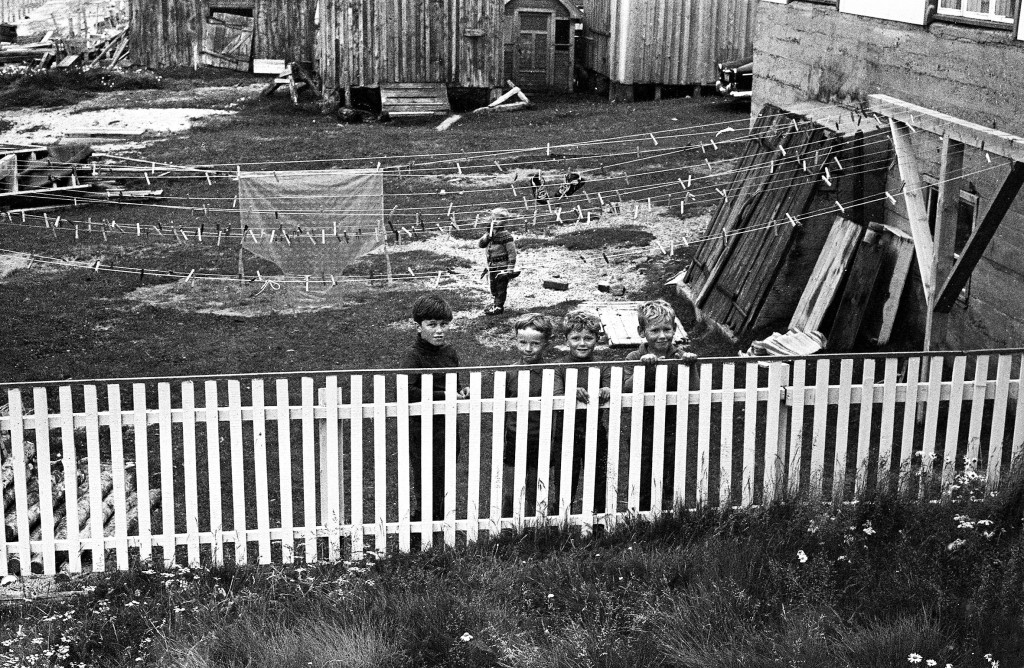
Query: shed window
(533,21)
(1000,11)
(563,31)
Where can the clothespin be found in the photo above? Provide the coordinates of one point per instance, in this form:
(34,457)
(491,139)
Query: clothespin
(146,175)
(588,217)
(782,150)
(841,208)
(199,234)
(411,272)
(792,221)
(702,149)
(450,208)
(275,177)
(682,183)
(378,166)
(549,148)
(206,211)
(498,165)
(220,235)
(76,231)
(208,181)
(307,282)
(259,276)
(824,177)
(234,202)
(891,198)
(252,235)
(579,212)
(713,144)
(988,157)
(285,235)
(654,139)
(771,166)
(333,282)
(514,193)
(708,163)
(454,224)
(272,233)
(96,268)
(238,172)
(605,256)
(636,211)
(46,221)
(600,199)
(796,128)
(658,244)
(191,273)
(138,230)
(558,215)
(723,194)
(308,234)
(650,207)
(803,165)
(437,283)
(689,180)
(323,236)
(672,247)
(681,209)
(457,165)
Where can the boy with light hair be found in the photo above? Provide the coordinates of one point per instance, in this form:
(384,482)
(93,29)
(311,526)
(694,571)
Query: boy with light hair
(657,325)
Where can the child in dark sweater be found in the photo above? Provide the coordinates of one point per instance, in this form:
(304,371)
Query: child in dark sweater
(433,317)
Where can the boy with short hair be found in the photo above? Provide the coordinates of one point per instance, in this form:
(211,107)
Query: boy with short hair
(500,248)
(431,350)
(582,331)
(532,337)
(657,325)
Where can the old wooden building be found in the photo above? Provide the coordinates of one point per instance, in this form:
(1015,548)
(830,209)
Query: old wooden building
(954,185)
(540,43)
(224,33)
(663,42)
(367,43)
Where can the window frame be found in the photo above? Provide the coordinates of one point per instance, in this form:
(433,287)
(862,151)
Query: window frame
(990,18)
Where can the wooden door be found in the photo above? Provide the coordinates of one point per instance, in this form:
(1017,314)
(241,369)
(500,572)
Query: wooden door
(533,50)
(227,41)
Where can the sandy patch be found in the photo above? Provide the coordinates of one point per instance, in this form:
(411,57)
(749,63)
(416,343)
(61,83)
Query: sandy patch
(39,126)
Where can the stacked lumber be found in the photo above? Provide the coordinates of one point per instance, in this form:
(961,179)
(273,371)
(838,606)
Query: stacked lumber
(109,52)
(58,487)
(789,344)
(856,285)
(31,54)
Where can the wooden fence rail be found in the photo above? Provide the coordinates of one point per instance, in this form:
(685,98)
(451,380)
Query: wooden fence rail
(269,469)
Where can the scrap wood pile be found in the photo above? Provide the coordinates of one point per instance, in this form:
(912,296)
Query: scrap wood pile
(58,490)
(111,50)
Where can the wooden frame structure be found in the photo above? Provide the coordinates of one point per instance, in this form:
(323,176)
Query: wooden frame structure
(943,279)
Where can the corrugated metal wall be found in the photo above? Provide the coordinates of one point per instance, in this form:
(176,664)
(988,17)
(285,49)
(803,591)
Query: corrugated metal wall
(671,42)
(369,42)
(166,33)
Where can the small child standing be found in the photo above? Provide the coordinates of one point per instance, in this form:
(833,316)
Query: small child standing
(532,336)
(657,325)
(582,330)
(500,248)
(431,350)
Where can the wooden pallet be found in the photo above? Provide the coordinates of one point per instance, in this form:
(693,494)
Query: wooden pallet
(415,99)
(620,322)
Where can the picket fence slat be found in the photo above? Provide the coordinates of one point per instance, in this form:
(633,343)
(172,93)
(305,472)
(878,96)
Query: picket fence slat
(380,464)
(47,549)
(188,405)
(451,434)
(725,447)
(864,428)
(635,439)
(909,423)
(566,446)
(356,466)
(284,468)
(120,491)
(614,435)
(703,435)
(402,434)
(259,458)
(308,469)
(241,547)
(213,471)
(949,451)
(141,436)
(344,499)
(682,407)
(474,470)
(885,438)
(998,430)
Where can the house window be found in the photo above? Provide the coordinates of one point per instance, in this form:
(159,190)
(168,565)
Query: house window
(1000,11)
(563,34)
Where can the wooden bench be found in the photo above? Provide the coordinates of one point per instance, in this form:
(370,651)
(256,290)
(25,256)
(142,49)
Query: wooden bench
(415,99)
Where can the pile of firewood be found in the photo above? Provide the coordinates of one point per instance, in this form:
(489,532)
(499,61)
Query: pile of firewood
(58,487)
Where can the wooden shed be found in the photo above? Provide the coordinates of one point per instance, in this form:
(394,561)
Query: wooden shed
(222,33)
(367,43)
(540,43)
(664,42)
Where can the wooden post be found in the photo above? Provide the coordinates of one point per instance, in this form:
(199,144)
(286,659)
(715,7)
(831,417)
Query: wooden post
(950,178)
(387,260)
(241,265)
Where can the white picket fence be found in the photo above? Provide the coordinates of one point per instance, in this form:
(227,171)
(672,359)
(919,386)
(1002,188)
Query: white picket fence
(156,471)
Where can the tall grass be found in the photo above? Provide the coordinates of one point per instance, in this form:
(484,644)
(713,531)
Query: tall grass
(794,584)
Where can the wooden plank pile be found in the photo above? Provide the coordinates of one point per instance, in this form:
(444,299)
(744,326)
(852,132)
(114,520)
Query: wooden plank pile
(414,99)
(45,49)
(58,489)
(757,223)
(856,285)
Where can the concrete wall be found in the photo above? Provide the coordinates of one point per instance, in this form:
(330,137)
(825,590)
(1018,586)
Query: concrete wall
(806,51)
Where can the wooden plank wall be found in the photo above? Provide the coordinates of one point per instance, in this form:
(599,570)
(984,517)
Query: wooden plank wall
(669,42)
(167,33)
(364,43)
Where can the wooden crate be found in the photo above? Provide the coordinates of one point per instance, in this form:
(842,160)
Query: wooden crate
(415,99)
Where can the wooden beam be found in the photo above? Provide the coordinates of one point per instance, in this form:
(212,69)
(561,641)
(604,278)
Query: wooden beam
(951,172)
(978,136)
(979,240)
(913,193)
